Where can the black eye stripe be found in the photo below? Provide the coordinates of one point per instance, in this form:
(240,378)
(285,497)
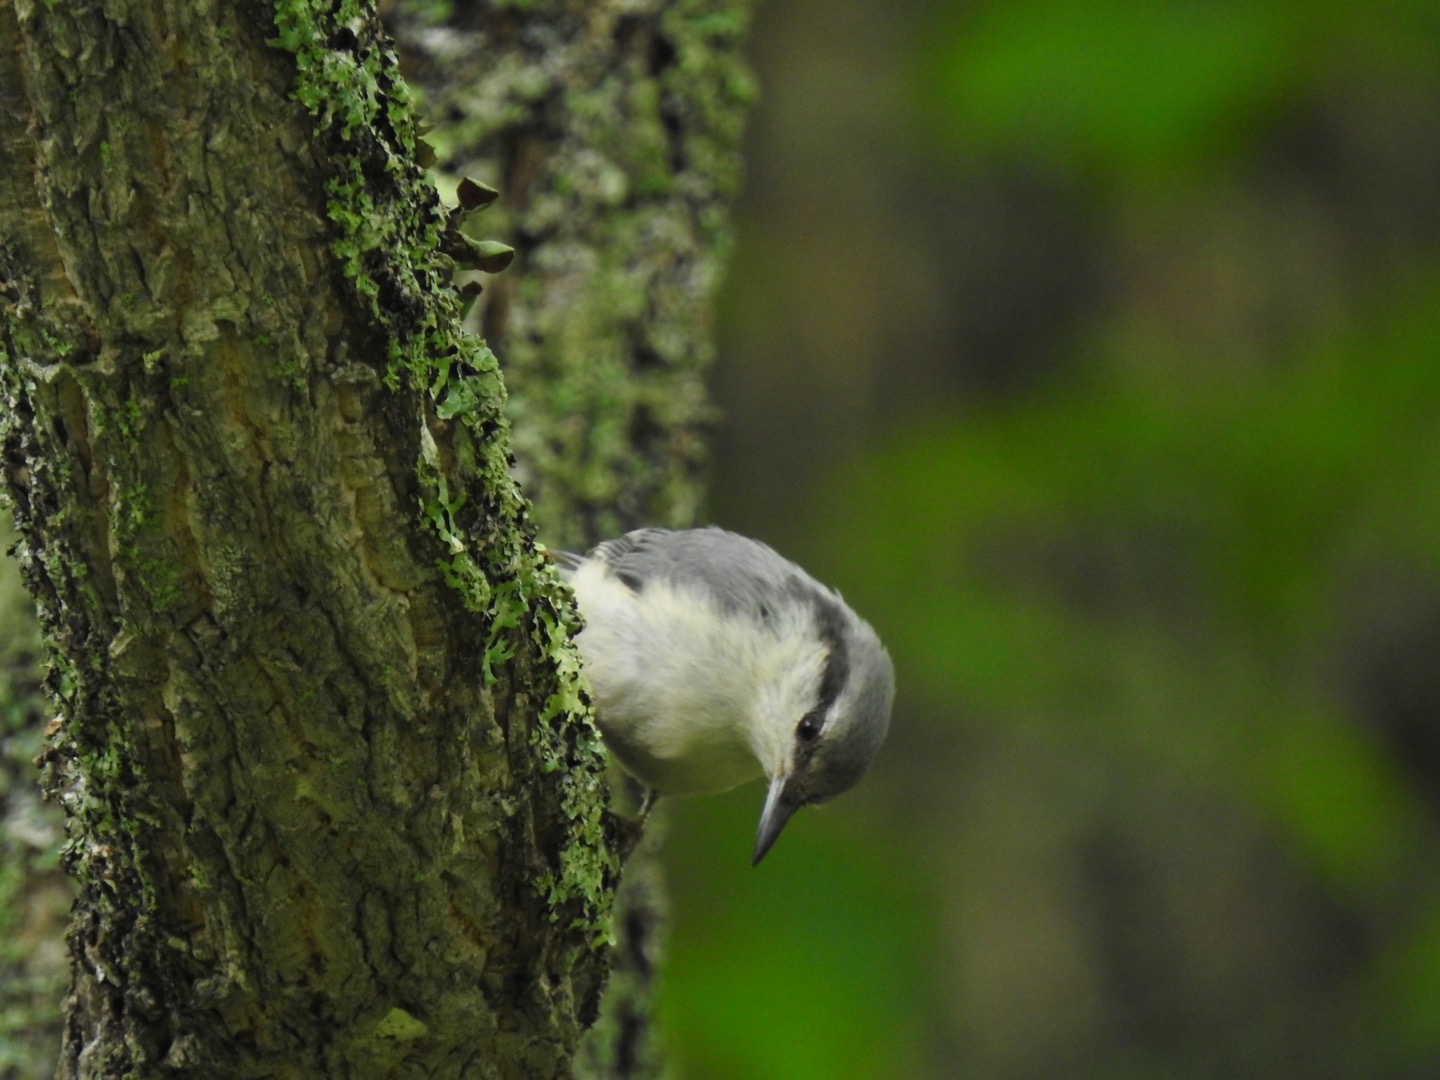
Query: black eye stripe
(830,622)
(830,627)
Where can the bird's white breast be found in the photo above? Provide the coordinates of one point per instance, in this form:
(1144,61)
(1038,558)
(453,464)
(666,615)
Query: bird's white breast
(690,698)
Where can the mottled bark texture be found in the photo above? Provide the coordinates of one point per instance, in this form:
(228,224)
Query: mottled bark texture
(333,800)
(612,129)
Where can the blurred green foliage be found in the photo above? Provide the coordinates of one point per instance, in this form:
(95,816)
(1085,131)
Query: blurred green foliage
(796,993)
(1132,88)
(1162,795)
(1224,531)
(34,895)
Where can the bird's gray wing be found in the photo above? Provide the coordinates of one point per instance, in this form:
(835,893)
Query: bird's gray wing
(611,552)
(569,562)
(738,573)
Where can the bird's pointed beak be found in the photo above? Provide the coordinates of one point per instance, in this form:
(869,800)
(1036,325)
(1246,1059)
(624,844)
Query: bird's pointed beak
(779,805)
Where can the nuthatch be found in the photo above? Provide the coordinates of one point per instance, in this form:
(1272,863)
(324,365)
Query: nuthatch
(713,661)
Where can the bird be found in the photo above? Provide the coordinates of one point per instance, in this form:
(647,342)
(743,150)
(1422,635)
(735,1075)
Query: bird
(714,661)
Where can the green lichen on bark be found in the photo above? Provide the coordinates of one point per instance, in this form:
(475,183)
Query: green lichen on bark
(251,452)
(391,254)
(613,132)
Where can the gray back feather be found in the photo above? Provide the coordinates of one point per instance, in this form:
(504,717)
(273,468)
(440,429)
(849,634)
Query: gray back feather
(738,573)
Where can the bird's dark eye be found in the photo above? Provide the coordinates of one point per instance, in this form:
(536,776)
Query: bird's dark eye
(809,728)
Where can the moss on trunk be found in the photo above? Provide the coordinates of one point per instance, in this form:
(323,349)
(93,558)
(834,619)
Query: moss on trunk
(334,802)
(612,130)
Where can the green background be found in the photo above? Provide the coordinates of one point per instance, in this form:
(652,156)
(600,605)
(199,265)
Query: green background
(1092,349)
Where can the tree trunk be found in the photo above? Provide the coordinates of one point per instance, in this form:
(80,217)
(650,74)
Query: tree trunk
(333,798)
(612,130)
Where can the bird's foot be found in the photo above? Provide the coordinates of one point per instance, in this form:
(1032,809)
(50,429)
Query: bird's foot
(631,830)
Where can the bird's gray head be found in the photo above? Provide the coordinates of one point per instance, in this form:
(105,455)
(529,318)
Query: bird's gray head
(828,744)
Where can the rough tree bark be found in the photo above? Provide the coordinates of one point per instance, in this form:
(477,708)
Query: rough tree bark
(333,799)
(612,129)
